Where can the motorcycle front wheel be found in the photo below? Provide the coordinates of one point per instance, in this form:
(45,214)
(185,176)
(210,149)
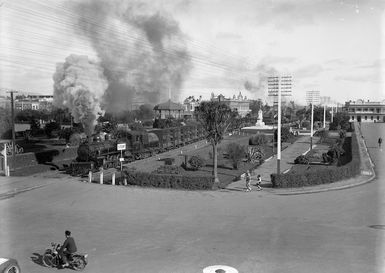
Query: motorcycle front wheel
(49,260)
(78,263)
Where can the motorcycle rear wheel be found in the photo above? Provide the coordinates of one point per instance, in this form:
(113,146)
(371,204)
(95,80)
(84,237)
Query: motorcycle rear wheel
(12,269)
(49,260)
(78,263)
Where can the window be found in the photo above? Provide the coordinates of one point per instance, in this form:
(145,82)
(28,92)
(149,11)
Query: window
(352,117)
(378,117)
(366,117)
(371,117)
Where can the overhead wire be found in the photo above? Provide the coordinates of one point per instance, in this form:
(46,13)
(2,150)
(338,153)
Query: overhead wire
(209,67)
(194,58)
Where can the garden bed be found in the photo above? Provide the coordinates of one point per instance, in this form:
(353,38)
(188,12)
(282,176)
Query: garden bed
(348,165)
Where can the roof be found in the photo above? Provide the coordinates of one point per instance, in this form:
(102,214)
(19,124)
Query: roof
(169,105)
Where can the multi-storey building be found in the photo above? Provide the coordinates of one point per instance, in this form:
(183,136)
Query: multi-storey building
(366,111)
(239,103)
(33,102)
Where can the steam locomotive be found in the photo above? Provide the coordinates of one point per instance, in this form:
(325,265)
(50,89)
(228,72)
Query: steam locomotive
(93,155)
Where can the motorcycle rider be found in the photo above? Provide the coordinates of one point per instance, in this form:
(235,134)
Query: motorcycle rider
(67,248)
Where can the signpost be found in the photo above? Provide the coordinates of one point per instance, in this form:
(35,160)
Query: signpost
(312,97)
(121,147)
(279,86)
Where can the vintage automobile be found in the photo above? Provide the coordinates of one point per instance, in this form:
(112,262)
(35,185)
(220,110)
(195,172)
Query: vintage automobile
(9,266)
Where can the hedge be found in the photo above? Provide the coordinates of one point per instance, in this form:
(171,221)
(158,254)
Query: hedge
(48,156)
(321,174)
(169,181)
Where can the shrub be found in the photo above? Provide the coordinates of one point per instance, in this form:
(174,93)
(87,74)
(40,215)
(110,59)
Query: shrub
(258,139)
(236,152)
(335,152)
(255,154)
(326,158)
(322,134)
(174,181)
(324,175)
(306,124)
(302,159)
(196,162)
(169,160)
(286,135)
(50,128)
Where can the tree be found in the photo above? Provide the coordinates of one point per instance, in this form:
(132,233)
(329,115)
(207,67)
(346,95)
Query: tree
(215,117)
(303,114)
(340,121)
(5,123)
(236,152)
(255,105)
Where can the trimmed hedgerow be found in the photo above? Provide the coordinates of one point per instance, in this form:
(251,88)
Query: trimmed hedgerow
(323,175)
(169,181)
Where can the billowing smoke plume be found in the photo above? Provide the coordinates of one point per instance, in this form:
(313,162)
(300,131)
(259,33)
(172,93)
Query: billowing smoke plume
(79,85)
(142,52)
(259,87)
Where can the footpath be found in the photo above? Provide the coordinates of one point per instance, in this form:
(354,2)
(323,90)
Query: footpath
(302,146)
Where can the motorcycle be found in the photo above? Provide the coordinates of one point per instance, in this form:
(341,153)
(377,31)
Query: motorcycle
(51,258)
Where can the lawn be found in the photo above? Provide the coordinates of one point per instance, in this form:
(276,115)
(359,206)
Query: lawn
(226,173)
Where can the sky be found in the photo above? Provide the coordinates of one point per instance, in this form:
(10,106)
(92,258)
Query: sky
(334,46)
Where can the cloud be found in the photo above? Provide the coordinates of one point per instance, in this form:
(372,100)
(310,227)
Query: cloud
(359,78)
(228,35)
(309,71)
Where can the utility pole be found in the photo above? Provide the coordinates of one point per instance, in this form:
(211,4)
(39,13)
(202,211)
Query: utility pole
(324,116)
(13,130)
(312,97)
(279,86)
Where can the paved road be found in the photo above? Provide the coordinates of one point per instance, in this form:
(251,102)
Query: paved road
(128,229)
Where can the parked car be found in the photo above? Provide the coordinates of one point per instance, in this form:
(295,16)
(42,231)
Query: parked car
(9,266)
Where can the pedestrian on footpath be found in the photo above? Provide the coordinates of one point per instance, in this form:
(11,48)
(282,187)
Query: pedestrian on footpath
(259,181)
(379,142)
(247,178)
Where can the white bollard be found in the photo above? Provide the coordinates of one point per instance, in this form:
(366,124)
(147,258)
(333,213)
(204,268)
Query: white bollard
(113,179)
(125,181)
(101,177)
(90,176)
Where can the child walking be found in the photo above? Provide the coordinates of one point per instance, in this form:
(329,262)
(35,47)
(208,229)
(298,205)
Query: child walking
(247,178)
(259,181)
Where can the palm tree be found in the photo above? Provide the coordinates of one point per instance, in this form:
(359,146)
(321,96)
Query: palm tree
(215,117)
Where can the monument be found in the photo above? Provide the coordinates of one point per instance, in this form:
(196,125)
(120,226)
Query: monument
(259,125)
(260,119)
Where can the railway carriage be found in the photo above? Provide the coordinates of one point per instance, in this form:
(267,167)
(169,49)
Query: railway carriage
(96,154)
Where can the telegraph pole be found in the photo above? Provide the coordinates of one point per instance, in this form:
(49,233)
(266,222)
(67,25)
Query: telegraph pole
(312,97)
(279,86)
(13,130)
